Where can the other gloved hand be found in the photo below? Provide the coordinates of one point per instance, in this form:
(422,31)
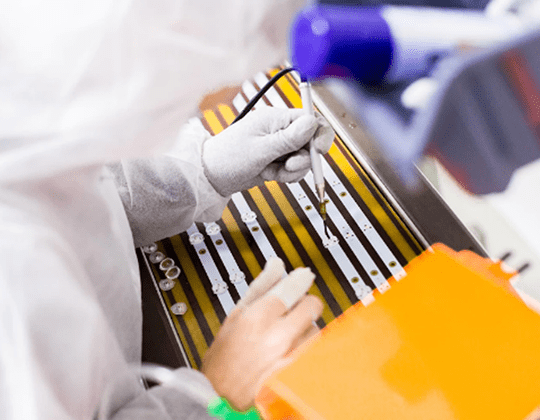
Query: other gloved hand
(244,154)
(255,339)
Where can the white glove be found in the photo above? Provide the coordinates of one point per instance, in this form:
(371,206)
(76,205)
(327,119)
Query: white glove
(244,154)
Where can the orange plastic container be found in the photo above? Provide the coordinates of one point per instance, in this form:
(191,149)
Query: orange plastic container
(450,341)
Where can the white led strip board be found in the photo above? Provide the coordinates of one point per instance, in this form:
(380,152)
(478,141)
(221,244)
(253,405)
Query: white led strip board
(357,214)
(250,91)
(365,225)
(250,219)
(362,290)
(236,276)
(361,220)
(272,94)
(356,246)
(219,286)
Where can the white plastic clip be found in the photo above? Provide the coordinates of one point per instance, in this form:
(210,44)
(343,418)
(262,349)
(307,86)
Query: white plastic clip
(179,308)
(237,277)
(196,238)
(166,284)
(249,217)
(219,288)
(212,229)
(330,242)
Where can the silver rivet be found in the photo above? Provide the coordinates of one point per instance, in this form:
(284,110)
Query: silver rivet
(156,257)
(149,249)
(166,264)
(166,284)
(173,273)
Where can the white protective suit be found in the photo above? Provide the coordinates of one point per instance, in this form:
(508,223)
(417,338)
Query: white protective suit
(84,84)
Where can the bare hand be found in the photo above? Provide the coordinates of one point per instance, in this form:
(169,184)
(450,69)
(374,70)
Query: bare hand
(272,319)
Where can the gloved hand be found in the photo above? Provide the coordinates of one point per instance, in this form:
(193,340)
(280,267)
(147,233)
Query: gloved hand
(274,316)
(243,155)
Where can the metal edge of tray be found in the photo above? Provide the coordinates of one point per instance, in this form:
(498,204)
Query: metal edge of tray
(423,210)
(160,344)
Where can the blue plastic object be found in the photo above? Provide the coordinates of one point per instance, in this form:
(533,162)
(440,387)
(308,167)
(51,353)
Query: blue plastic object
(483,122)
(345,42)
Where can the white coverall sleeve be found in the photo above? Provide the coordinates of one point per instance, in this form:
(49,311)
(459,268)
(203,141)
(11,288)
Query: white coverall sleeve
(59,355)
(165,194)
(166,403)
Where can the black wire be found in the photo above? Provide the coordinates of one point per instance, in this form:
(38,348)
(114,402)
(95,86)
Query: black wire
(260,94)
(252,103)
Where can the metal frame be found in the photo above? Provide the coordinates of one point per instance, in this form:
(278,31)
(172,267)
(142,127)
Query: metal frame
(423,210)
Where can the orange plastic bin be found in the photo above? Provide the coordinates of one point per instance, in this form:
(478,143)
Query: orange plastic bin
(449,341)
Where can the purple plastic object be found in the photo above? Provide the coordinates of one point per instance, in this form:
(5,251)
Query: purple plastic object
(352,42)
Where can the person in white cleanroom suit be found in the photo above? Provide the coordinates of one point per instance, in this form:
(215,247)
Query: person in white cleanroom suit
(92,98)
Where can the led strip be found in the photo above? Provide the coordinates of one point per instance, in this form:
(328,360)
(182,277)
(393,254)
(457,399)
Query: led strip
(357,214)
(362,221)
(250,91)
(236,276)
(248,216)
(250,219)
(362,290)
(219,286)
(271,94)
(356,246)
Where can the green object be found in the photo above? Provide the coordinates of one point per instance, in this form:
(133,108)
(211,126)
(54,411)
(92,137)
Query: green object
(221,409)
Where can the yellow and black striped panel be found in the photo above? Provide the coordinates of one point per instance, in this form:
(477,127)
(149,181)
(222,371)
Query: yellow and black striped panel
(293,238)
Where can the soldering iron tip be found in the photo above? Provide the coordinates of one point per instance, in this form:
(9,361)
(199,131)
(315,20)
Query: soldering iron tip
(322,209)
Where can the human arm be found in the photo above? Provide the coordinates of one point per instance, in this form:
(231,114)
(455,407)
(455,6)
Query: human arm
(61,352)
(165,194)
(193,181)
